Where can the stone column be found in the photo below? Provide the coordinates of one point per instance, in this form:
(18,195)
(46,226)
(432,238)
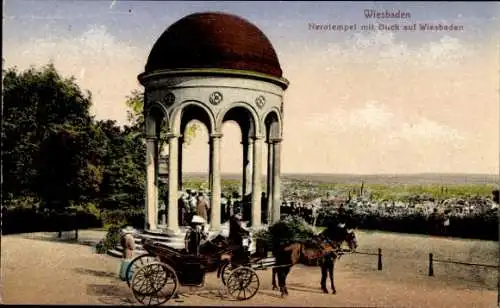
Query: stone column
(276,179)
(151,188)
(210,164)
(215,196)
(173,160)
(179,167)
(269,213)
(256,181)
(246,188)
(158,219)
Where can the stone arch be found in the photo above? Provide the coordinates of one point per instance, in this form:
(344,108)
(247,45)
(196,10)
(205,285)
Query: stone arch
(155,116)
(244,114)
(273,124)
(191,110)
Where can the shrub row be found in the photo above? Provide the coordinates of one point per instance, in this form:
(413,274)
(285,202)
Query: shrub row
(24,220)
(483,227)
(27,220)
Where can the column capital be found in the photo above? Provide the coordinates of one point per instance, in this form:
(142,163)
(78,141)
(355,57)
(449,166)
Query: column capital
(173,135)
(275,140)
(257,137)
(151,138)
(216,135)
(248,140)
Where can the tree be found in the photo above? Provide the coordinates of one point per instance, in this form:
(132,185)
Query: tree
(51,150)
(123,181)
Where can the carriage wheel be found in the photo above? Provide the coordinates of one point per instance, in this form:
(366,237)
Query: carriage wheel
(137,263)
(243,283)
(154,283)
(226,270)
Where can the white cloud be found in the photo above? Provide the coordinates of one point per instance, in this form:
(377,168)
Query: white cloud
(376,119)
(382,49)
(371,116)
(426,129)
(100,63)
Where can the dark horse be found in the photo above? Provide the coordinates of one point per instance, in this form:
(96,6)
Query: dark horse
(325,248)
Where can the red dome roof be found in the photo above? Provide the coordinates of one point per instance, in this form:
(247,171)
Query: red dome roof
(214,40)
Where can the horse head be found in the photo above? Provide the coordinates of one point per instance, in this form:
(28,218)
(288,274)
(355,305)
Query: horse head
(340,233)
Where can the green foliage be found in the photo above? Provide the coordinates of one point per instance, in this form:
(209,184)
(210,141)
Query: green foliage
(50,149)
(290,229)
(124,173)
(57,158)
(119,217)
(111,240)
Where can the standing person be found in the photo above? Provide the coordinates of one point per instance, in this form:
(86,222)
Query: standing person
(229,207)
(202,207)
(223,205)
(162,213)
(236,234)
(127,242)
(206,196)
(263,207)
(195,235)
(193,201)
(236,204)
(183,210)
(187,209)
(446,222)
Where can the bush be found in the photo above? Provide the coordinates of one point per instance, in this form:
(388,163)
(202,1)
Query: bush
(111,240)
(122,217)
(287,230)
(484,226)
(25,220)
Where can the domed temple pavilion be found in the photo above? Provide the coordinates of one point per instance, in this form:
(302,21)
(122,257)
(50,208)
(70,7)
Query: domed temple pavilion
(214,67)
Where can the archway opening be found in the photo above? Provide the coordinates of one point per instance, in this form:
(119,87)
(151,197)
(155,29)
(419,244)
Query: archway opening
(238,128)
(195,156)
(273,126)
(195,128)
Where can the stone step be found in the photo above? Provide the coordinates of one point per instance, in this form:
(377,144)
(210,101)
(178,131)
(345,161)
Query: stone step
(115,253)
(160,238)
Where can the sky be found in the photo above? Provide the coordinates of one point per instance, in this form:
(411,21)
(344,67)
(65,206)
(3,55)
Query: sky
(359,102)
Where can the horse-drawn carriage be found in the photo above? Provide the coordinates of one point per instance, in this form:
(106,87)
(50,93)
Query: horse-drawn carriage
(156,276)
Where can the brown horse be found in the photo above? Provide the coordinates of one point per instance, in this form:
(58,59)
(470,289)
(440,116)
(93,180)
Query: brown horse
(321,247)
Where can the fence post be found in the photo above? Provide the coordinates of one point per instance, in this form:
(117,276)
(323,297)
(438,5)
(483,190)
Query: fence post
(379,259)
(431,266)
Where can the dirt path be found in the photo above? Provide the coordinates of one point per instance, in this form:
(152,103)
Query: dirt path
(36,271)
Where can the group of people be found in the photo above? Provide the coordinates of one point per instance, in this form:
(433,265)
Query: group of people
(192,202)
